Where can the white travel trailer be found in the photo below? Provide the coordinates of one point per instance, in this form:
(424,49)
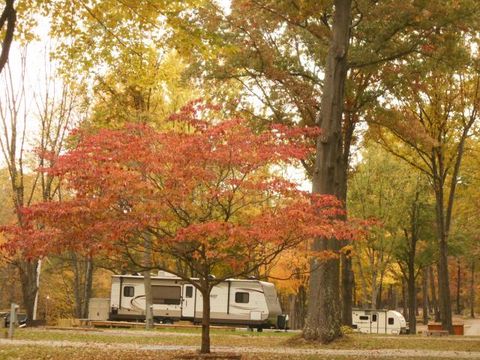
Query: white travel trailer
(379,321)
(246,302)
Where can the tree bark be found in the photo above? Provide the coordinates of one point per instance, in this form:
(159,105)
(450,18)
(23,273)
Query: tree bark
(444,209)
(412,302)
(444,287)
(87,287)
(425,302)
(347,288)
(148,283)
(374,293)
(390,298)
(347,275)
(9,16)
(380,294)
(472,290)
(292,313)
(405,299)
(205,349)
(82,284)
(324,317)
(297,309)
(435,308)
(28,278)
(412,252)
(363,284)
(459,283)
(77,293)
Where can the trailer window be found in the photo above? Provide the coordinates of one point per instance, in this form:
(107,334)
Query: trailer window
(391,321)
(363,317)
(189,291)
(169,295)
(242,297)
(128,291)
(374,317)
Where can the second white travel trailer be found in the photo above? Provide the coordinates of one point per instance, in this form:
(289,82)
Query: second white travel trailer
(243,302)
(379,322)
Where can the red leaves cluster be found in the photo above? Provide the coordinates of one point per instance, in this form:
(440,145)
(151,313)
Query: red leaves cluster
(206,184)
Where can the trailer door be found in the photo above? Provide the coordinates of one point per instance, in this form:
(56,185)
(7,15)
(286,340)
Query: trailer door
(188,305)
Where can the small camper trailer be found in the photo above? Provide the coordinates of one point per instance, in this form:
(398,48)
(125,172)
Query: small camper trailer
(379,322)
(241,302)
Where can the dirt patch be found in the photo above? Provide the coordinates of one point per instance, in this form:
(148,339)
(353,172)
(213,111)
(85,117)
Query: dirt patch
(279,351)
(211,356)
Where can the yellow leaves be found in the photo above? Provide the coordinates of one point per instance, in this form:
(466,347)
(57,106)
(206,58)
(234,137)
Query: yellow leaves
(290,271)
(146,91)
(347,250)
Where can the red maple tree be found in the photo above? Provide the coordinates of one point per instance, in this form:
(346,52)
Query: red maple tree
(209,195)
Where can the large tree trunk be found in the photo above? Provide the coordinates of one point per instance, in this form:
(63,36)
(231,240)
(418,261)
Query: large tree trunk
(324,318)
(87,287)
(442,265)
(444,287)
(28,278)
(444,209)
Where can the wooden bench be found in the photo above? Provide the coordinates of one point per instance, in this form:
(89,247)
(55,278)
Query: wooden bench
(116,324)
(435,332)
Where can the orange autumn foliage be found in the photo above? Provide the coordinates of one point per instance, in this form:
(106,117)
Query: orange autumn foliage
(203,192)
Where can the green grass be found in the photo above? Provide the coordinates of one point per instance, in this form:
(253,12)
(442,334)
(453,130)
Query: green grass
(10,352)
(107,340)
(378,342)
(253,339)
